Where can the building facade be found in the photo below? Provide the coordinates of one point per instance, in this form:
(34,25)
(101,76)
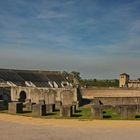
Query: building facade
(125,82)
(51,86)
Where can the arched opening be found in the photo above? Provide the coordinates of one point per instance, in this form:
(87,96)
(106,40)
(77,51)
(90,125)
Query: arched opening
(22,96)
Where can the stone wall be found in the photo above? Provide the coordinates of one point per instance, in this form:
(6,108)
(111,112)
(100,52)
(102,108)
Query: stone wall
(50,95)
(15,107)
(124,111)
(117,92)
(126,107)
(117,100)
(67,97)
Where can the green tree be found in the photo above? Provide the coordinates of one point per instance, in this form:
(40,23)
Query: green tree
(76,75)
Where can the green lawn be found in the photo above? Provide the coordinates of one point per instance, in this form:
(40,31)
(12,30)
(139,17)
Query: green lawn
(84,113)
(109,114)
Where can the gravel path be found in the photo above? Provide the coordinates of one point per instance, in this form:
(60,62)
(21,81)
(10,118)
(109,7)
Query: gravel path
(20,131)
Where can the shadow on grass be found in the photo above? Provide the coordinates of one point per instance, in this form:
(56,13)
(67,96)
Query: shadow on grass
(3,111)
(107,116)
(104,112)
(78,111)
(50,114)
(137,116)
(27,112)
(56,110)
(76,115)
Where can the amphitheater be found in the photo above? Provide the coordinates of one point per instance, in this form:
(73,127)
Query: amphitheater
(44,92)
(35,87)
(18,86)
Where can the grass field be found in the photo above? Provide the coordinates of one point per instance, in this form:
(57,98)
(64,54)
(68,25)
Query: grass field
(81,113)
(84,113)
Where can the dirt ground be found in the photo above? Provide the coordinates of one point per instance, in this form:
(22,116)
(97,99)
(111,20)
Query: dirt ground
(14,127)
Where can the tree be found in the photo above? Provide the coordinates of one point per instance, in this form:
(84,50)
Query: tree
(66,74)
(76,75)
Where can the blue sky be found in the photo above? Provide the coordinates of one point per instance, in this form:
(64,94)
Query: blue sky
(98,38)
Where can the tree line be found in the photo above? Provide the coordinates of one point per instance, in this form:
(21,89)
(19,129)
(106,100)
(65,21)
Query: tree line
(93,82)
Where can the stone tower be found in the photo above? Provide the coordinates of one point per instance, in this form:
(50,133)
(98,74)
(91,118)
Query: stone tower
(123,81)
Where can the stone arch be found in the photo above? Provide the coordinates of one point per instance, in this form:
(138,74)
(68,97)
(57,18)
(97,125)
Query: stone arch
(6,97)
(22,96)
(67,97)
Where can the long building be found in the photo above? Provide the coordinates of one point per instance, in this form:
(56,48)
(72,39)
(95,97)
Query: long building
(36,85)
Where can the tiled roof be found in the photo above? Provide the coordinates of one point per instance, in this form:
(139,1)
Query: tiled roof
(38,78)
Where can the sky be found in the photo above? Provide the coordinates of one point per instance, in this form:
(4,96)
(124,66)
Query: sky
(98,38)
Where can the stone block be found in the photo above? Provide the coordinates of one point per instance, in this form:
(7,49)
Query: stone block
(96,111)
(39,109)
(28,106)
(66,111)
(50,97)
(15,107)
(50,108)
(127,111)
(67,97)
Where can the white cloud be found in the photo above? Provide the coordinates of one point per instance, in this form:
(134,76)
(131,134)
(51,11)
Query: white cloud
(86,37)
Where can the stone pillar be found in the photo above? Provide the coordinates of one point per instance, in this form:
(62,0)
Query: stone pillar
(96,111)
(39,109)
(66,111)
(15,107)
(50,108)
(76,103)
(58,104)
(73,109)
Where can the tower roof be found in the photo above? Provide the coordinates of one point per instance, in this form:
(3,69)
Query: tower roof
(124,74)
